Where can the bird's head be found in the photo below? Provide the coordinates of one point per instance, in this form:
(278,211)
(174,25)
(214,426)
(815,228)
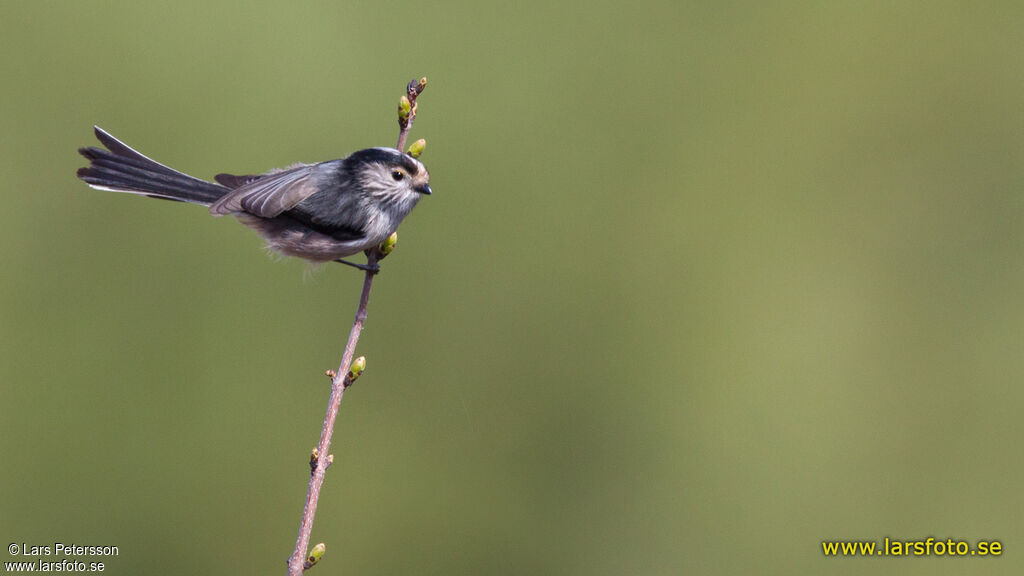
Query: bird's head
(389,175)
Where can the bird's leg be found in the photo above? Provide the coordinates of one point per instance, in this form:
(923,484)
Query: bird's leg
(364,267)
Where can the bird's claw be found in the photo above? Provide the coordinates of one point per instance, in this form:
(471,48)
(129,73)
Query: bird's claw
(373,269)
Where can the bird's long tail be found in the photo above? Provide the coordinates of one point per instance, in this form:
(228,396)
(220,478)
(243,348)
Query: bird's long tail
(121,169)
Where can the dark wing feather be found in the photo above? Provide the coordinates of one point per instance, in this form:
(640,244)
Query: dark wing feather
(236,180)
(270,195)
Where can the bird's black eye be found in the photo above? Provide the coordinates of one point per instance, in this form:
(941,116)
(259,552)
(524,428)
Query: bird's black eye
(398,175)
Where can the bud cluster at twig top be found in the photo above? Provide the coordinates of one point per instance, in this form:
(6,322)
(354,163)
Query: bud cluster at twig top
(407,103)
(415,87)
(407,109)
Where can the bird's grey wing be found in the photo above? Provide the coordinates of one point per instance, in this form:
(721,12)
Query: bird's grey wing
(270,195)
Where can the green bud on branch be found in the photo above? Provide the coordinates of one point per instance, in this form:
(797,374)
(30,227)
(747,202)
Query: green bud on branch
(358,365)
(314,459)
(417,147)
(404,109)
(388,245)
(314,556)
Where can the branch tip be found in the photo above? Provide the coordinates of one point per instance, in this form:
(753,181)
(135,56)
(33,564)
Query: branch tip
(407,108)
(415,87)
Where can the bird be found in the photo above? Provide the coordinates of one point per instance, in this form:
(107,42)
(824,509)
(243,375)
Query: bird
(319,212)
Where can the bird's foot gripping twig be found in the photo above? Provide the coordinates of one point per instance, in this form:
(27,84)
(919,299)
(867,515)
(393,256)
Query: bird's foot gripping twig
(372,268)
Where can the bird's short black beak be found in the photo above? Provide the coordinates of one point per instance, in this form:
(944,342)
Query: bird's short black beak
(424,189)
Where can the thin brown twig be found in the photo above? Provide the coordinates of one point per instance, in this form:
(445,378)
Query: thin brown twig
(342,379)
(321,459)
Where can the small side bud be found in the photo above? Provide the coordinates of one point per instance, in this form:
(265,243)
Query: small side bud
(358,365)
(330,374)
(314,459)
(417,147)
(387,246)
(314,556)
(404,108)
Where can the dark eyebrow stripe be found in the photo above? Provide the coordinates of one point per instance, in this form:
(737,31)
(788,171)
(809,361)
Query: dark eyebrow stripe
(387,157)
(409,164)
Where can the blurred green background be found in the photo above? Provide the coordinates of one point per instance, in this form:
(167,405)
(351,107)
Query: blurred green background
(701,285)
